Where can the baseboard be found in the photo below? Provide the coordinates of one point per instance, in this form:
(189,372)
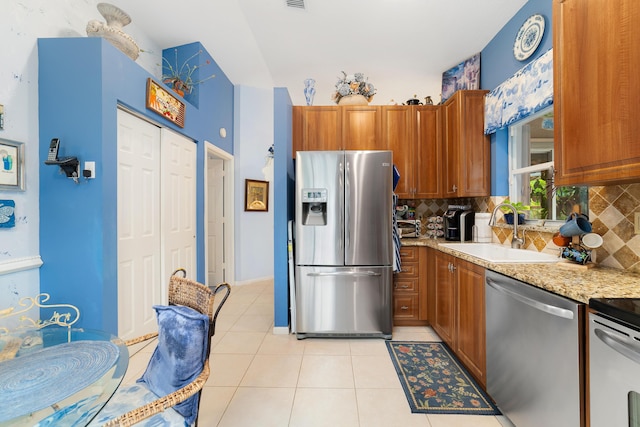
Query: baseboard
(280,330)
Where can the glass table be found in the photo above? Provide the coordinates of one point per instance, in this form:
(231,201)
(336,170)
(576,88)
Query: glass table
(57,376)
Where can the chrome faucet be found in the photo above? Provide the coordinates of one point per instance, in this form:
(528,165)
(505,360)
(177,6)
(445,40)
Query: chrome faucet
(516,242)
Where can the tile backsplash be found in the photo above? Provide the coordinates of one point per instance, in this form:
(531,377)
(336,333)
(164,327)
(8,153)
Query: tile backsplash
(611,211)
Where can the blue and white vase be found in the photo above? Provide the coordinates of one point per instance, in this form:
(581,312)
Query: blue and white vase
(309,90)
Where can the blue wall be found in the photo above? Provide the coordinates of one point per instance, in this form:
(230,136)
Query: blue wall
(497,65)
(81,81)
(284,185)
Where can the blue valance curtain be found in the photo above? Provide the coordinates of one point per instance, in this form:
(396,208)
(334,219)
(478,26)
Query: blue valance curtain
(526,92)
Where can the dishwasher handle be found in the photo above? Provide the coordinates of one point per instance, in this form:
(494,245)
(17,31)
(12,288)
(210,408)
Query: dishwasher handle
(619,344)
(547,308)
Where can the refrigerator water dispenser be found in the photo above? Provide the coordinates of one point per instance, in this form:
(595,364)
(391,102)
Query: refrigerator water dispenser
(314,206)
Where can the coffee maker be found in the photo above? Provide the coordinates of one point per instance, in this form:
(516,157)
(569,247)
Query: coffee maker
(458,223)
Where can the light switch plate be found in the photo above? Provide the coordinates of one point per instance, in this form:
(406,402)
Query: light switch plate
(636,223)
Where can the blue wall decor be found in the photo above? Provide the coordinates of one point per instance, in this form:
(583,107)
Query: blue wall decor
(7,213)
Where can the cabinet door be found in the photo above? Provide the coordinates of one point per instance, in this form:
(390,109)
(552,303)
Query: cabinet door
(471,337)
(444,320)
(361,128)
(597,91)
(317,128)
(451,162)
(466,147)
(399,136)
(427,169)
(474,169)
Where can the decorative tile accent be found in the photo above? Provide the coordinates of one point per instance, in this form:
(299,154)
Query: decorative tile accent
(611,211)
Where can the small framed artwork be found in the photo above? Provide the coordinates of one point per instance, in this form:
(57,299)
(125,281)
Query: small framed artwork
(12,165)
(164,103)
(256,195)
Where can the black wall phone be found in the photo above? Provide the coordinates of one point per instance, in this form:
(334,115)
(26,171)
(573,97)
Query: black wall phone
(53,149)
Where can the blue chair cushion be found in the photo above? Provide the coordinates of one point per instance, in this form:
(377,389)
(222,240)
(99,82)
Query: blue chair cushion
(128,398)
(180,355)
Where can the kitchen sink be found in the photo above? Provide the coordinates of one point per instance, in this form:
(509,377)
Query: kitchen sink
(500,254)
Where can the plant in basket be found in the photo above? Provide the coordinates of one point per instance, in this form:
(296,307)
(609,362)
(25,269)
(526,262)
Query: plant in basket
(181,79)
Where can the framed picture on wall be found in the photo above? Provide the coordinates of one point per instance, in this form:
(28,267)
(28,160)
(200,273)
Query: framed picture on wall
(256,195)
(465,75)
(11,165)
(164,103)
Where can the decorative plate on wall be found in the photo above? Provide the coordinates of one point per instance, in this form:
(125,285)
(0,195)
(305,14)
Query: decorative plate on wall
(529,37)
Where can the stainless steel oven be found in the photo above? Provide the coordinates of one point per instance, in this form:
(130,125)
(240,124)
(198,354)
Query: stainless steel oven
(614,363)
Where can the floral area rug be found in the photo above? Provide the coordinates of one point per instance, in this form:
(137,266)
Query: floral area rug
(435,382)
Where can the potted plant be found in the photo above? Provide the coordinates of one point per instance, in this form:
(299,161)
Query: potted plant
(508,213)
(180,79)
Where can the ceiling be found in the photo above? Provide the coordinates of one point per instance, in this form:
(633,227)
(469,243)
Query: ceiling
(401,46)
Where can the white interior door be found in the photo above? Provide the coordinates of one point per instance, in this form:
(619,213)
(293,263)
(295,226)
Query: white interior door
(178,184)
(138,227)
(215,226)
(219,191)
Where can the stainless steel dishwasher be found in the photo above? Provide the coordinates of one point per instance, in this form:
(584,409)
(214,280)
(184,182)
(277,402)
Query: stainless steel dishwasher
(534,357)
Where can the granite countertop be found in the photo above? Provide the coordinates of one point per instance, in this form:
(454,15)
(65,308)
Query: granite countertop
(575,283)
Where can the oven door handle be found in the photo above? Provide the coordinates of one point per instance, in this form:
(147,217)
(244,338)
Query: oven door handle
(622,345)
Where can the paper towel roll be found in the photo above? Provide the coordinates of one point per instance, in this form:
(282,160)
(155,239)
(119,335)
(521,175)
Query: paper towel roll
(484,232)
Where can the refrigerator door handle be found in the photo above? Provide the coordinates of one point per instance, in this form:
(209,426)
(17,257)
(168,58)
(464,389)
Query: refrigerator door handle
(345,273)
(347,211)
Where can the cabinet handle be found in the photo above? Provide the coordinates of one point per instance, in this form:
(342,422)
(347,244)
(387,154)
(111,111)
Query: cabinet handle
(404,307)
(404,286)
(454,188)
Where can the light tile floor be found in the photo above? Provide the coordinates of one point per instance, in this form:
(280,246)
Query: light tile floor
(262,379)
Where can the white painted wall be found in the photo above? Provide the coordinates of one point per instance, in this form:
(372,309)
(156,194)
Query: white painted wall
(21,24)
(253,133)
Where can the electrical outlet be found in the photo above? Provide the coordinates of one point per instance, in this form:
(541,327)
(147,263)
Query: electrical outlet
(89,170)
(636,223)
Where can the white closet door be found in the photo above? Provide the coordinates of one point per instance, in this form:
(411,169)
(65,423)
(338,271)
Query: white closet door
(140,282)
(178,185)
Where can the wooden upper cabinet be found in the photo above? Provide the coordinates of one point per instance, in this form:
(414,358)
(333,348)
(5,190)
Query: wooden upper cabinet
(428,166)
(336,128)
(467,152)
(361,127)
(413,133)
(596,91)
(399,134)
(317,128)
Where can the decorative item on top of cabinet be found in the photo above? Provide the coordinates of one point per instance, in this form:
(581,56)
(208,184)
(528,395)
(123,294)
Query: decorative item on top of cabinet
(414,135)
(467,155)
(596,134)
(410,288)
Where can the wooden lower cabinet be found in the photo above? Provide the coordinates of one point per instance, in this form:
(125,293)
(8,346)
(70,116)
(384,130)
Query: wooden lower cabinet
(410,288)
(457,288)
(470,343)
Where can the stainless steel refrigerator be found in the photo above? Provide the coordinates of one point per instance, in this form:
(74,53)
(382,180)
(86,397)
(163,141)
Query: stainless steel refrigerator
(343,243)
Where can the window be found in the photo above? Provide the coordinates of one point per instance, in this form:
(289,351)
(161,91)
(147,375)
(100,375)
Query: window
(531,171)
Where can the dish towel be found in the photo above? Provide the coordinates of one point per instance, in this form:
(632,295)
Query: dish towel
(396,232)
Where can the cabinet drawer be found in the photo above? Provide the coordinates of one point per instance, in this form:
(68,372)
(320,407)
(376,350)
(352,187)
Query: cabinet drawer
(405,285)
(408,254)
(408,270)
(405,307)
